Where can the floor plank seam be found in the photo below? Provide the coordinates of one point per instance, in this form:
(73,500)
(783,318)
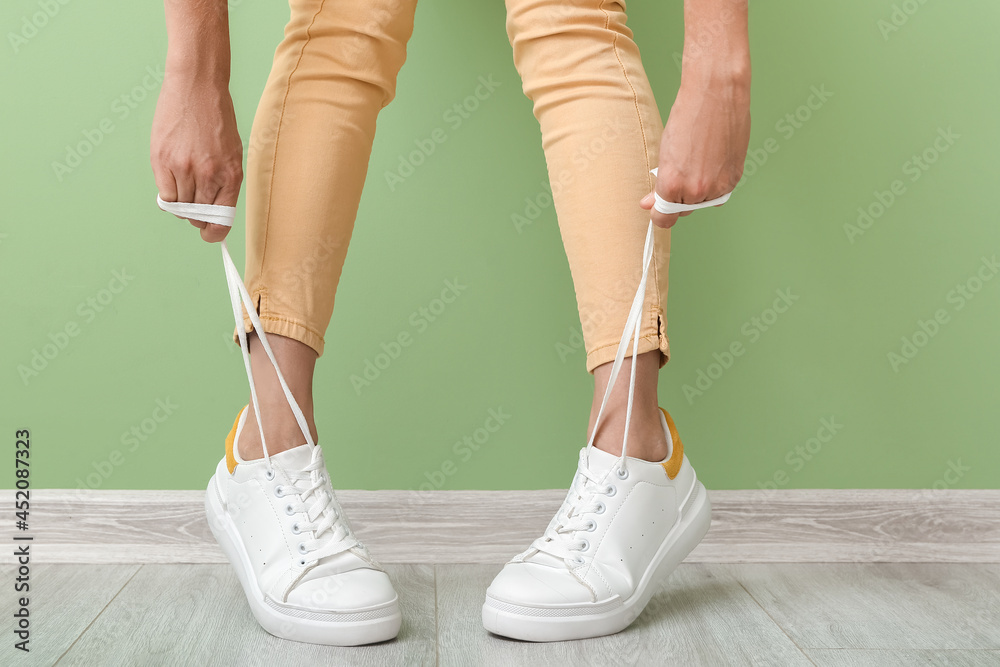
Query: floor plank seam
(778,625)
(97,616)
(437,626)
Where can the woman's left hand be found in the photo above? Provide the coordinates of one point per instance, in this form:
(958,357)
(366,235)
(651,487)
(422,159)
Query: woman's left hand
(703,147)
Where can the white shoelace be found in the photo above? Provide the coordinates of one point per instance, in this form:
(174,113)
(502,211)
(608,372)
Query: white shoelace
(325,514)
(313,496)
(559,539)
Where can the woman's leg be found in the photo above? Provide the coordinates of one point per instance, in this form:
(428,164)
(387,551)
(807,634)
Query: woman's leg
(600,132)
(309,148)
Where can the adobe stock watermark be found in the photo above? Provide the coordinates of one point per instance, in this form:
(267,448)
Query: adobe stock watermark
(419,321)
(801,454)
(131,440)
(958,297)
(32,23)
(454,117)
(87,311)
(899,16)
(582,158)
(591,318)
(464,449)
(914,168)
(752,330)
(952,476)
(302,275)
(710,36)
(120,109)
(786,126)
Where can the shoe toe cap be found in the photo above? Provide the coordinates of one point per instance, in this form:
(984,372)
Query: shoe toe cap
(533,584)
(356,589)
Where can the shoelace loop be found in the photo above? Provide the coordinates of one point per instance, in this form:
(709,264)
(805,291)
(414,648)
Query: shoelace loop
(560,538)
(314,496)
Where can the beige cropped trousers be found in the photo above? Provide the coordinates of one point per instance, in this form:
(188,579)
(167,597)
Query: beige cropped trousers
(312,137)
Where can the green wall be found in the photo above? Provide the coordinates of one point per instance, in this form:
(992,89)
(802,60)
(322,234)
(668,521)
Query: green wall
(507,343)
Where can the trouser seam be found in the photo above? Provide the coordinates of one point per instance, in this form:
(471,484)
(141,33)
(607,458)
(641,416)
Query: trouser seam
(277,133)
(654,314)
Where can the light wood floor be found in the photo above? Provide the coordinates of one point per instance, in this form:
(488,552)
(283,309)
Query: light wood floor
(837,614)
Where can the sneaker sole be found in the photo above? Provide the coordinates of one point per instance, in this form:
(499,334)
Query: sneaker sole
(354,628)
(549,624)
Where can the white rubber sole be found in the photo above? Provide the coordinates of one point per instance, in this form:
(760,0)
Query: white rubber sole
(362,626)
(551,624)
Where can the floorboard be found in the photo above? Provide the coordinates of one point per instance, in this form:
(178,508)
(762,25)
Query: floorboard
(62,602)
(902,658)
(198,615)
(702,617)
(716,614)
(933,606)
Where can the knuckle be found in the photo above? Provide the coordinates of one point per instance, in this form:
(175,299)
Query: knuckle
(699,191)
(207,171)
(673,192)
(181,164)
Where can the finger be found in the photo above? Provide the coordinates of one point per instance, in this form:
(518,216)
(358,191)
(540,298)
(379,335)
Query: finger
(214,233)
(185,187)
(165,184)
(229,193)
(205,191)
(663,220)
(659,219)
(200,224)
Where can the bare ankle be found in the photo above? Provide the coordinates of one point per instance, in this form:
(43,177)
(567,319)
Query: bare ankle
(646,439)
(281,436)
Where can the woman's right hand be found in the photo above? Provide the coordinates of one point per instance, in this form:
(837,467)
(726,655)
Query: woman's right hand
(195,148)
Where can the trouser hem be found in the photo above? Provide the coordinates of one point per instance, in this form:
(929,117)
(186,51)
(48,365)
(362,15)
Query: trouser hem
(605,353)
(288,327)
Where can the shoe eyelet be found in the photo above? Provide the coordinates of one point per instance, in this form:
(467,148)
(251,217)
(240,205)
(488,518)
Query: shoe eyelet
(302,562)
(279,492)
(586,544)
(269,474)
(621,473)
(591,526)
(611,490)
(302,548)
(577,560)
(600,508)
(295,528)
(289,510)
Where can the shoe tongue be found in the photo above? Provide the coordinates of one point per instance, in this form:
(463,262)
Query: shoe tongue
(296,458)
(600,462)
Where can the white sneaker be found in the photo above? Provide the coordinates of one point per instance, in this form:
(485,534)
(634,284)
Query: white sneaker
(305,575)
(623,528)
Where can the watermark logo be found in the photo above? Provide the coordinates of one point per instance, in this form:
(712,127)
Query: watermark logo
(420,320)
(958,298)
(454,116)
(915,167)
(87,310)
(752,331)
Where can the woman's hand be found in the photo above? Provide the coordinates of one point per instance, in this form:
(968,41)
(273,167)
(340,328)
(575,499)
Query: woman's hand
(195,149)
(704,145)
